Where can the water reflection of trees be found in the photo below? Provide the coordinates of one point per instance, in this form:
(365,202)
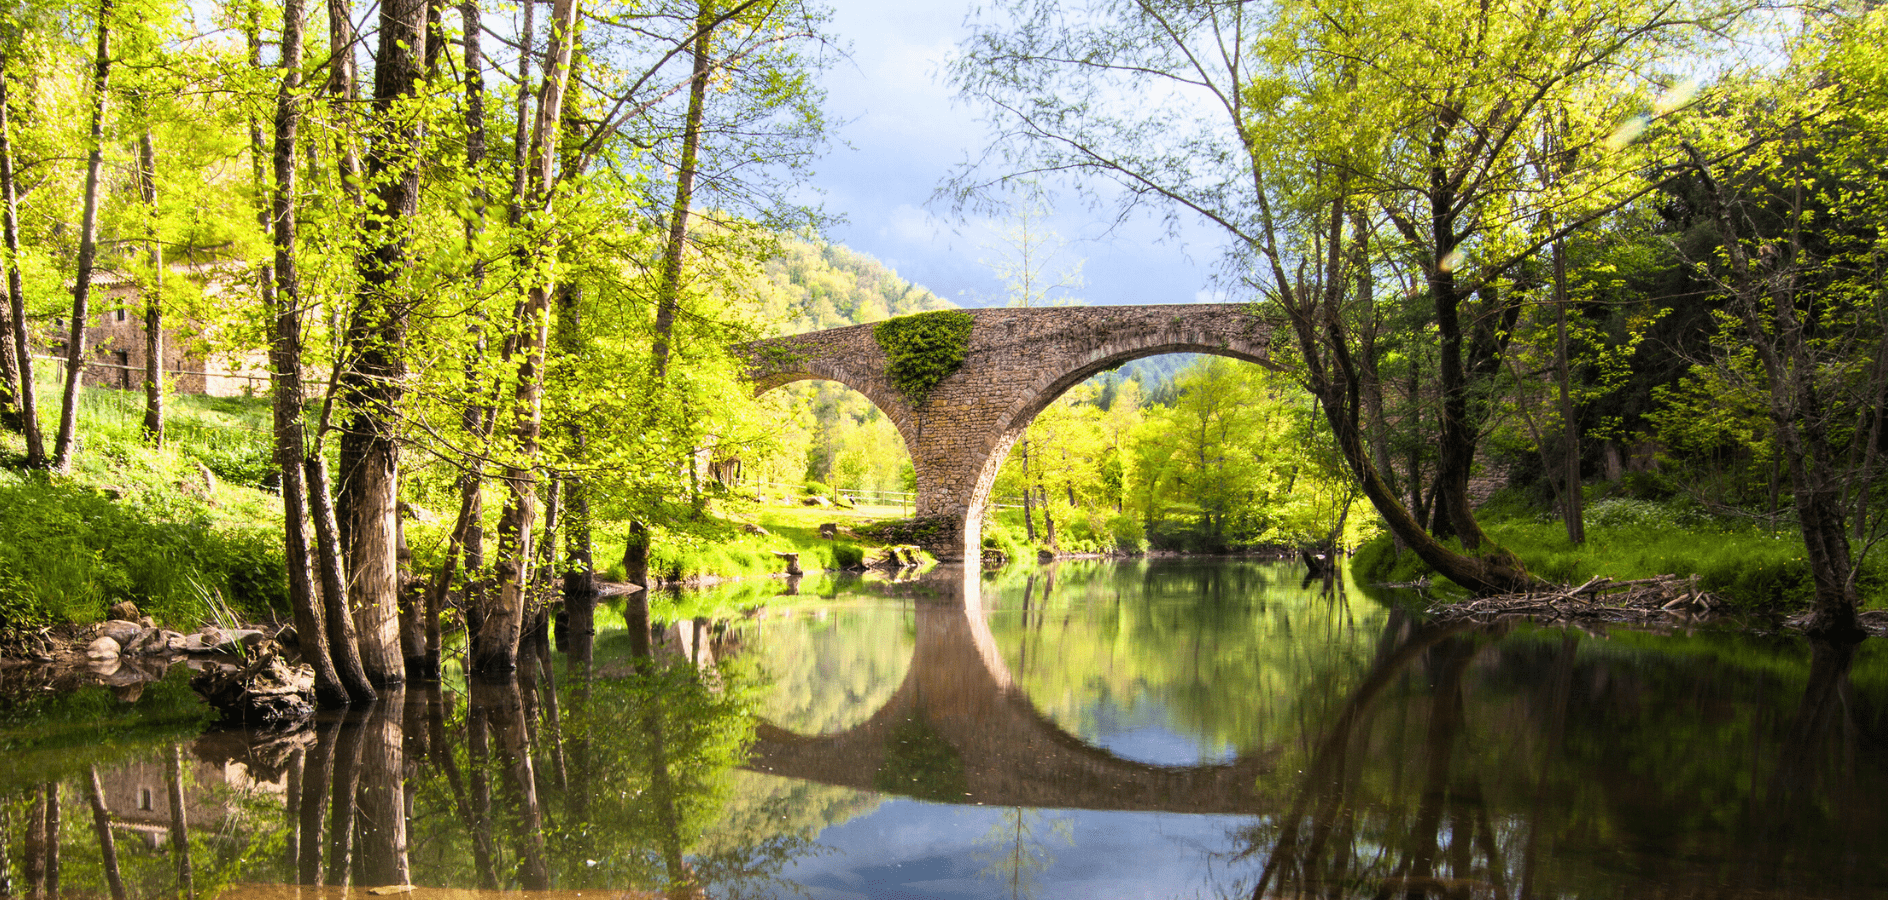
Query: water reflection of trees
(614,771)
(1538,765)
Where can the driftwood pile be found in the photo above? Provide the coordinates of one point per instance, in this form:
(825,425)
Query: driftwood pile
(1660,598)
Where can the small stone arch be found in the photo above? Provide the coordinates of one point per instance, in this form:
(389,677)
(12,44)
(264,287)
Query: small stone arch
(875,388)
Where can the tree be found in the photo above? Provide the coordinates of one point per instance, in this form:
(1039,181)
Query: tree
(1799,261)
(1301,131)
(64,445)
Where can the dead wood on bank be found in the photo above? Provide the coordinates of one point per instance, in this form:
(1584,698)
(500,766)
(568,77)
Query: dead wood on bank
(1662,598)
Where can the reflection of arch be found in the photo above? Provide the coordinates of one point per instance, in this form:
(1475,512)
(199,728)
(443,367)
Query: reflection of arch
(1001,749)
(1017,362)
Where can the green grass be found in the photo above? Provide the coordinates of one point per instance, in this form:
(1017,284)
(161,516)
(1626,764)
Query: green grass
(132,522)
(1746,565)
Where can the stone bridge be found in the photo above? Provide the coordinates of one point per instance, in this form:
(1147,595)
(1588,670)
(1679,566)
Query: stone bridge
(1017,362)
(958,730)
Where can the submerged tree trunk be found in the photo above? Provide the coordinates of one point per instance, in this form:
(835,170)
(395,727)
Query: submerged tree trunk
(107,847)
(88,248)
(180,825)
(17,338)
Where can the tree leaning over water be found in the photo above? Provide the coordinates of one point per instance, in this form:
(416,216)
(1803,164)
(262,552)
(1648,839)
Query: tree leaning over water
(1346,147)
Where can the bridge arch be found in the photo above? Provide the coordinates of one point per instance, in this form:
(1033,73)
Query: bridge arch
(1051,386)
(875,389)
(1016,362)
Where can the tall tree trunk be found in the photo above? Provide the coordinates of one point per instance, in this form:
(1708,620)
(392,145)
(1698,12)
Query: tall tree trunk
(669,290)
(88,248)
(107,847)
(1572,501)
(180,825)
(468,539)
(1332,375)
(375,344)
(282,296)
(1764,294)
(495,649)
(580,584)
(344,91)
(16,337)
(153,426)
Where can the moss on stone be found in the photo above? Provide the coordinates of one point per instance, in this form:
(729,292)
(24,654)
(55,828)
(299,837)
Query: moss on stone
(923,349)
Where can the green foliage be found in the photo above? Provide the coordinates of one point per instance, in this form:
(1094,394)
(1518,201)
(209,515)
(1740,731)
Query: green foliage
(923,349)
(67,552)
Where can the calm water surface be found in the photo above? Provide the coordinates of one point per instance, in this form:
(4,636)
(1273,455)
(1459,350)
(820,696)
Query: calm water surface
(1151,729)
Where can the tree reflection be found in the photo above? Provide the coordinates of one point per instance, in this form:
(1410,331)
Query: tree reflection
(1017,849)
(1467,766)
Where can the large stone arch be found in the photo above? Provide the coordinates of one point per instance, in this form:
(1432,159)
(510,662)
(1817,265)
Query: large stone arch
(1016,362)
(1050,386)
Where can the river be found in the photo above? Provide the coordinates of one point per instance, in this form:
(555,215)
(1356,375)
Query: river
(1164,728)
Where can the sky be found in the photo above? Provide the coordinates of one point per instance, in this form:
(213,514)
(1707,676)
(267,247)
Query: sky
(898,130)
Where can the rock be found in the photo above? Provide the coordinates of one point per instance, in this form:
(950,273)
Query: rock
(104,668)
(102,648)
(150,641)
(816,501)
(147,621)
(755,529)
(128,693)
(792,560)
(209,478)
(124,609)
(119,630)
(267,690)
(829,530)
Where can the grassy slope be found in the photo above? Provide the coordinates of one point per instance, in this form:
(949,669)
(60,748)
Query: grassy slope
(185,532)
(1748,565)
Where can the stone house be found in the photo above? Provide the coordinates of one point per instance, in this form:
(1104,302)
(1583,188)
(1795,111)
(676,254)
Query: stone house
(114,340)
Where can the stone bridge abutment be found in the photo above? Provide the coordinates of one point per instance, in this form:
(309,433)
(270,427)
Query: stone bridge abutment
(1016,362)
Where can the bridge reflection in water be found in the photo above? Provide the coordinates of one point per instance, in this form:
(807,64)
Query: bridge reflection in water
(960,730)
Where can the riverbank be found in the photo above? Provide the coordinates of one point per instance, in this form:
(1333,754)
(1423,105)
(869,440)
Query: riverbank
(192,532)
(1736,565)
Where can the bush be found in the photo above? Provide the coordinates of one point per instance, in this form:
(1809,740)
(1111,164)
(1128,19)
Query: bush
(1127,532)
